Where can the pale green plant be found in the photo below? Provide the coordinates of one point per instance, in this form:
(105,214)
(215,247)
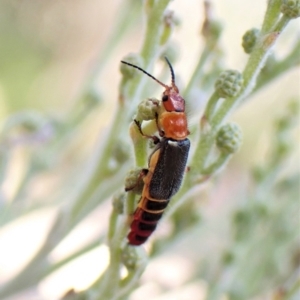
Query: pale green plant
(214,142)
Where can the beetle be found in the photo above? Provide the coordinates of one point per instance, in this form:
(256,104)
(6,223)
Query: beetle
(167,162)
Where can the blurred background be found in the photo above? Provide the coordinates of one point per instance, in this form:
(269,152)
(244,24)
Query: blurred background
(59,82)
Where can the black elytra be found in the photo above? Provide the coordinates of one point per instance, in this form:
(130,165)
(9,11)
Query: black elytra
(168,173)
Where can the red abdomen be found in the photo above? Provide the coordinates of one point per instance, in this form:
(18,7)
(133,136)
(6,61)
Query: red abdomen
(145,221)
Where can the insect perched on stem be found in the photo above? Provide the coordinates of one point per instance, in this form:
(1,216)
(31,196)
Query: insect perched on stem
(166,164)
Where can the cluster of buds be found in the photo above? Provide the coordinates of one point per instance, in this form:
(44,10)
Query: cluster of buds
(229,83)
(134,181)
(229,138)
(147,110)
(291,8)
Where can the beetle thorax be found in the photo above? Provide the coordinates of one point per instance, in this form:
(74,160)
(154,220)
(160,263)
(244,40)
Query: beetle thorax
(174,125)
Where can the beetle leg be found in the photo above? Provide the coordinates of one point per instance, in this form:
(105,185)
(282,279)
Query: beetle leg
(160,131)
(153,137)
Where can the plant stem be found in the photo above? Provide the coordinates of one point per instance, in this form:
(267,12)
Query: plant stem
(198,72)
(271,15)
(222,159)
(101,167)
(211,105)
(149,51)
(278,68)
(152,35)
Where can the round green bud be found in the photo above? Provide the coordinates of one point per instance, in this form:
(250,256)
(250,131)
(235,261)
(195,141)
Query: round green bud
(92,97)
(31,122)
(128,71)
(147,109)
(118,203)
(133,257)
(229,83)
(228,257)
(241,218)
(229,138)
(283,147)
(169,22)
(212,30)
(282,124)
(134,181)
(261,210)
(258,174)
(290,8)
(250,39)
(215,30)
(171,51)
(120,152)
(241,221)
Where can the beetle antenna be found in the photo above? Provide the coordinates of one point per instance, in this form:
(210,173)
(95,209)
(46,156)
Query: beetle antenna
(172,71)
(134,66)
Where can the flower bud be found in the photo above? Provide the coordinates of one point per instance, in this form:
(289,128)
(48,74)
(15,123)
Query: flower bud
(118,203)
(212,30)
(169,22)
(134,181)
(250,39)
(128,71)
(134,257)
(290,8)
(228,257)
(147,110)
(229,83)
(92,97)
(120,152)
(229,138)
(171,51)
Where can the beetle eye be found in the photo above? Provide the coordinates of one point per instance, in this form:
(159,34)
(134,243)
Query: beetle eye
(165,98)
